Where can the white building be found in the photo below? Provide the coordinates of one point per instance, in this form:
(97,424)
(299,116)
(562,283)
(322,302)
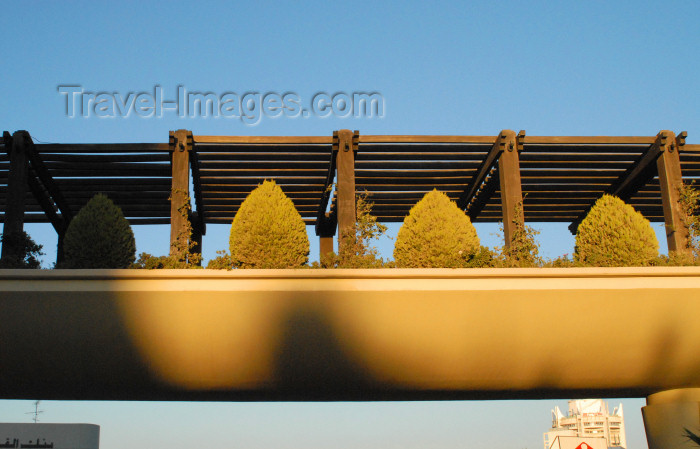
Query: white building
(49,436)
(588,418)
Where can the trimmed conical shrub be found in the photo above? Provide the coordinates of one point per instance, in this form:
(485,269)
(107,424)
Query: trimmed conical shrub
(614,234)
(268,232)
(436,233)
(99,237)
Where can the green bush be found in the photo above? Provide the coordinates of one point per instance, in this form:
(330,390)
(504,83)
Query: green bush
(355,249)
(268,232)
(21,251)
(146,261)
(689,201)
(523,249)
(436,234)
(220,262)
(614,234)
(183,254)
(99,237)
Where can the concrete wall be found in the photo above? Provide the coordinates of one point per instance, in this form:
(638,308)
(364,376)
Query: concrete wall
(669,418)
(348,334)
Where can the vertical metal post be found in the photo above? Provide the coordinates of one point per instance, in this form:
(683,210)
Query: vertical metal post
(511,189)
(16,188)
(326,244)
(181,144)
(670,181)
(197,233)
(346,183)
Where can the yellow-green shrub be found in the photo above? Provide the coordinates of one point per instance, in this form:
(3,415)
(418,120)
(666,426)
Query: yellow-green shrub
(435,234)
(614,234)
(268,232)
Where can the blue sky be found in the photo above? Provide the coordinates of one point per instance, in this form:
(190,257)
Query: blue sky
(564,68)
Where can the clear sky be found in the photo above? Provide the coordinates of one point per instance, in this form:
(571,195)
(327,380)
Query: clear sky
(550,68)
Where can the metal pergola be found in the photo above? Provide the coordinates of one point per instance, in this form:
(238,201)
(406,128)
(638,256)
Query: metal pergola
(555,178)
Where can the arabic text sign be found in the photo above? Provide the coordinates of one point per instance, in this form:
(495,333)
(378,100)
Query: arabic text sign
(49,436)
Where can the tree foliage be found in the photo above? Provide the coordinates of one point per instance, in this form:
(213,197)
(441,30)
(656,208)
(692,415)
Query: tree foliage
(182,250)
(689,201)
(268,232)
(356,249)
(523,249)
(436,234)
(99,237)
(21,251)
(614,234)
(221,262)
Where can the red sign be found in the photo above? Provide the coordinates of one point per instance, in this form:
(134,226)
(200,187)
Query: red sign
(583,446)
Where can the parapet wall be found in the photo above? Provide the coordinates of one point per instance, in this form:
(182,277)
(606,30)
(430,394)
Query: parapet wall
(399,334)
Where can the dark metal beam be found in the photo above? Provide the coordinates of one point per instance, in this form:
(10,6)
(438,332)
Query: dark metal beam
(197,187)
(45,202)
(639,174)
(16,188)
(196,235)
(49,184)
(324,227)
(331,219)
(486,167)
(484,194)
(327,222)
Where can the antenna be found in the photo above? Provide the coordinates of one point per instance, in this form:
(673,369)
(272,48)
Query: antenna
(35,412)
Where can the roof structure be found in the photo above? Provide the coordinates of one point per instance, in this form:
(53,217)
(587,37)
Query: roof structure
(561,177)
(228,168)
(135,176)
(557,178)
